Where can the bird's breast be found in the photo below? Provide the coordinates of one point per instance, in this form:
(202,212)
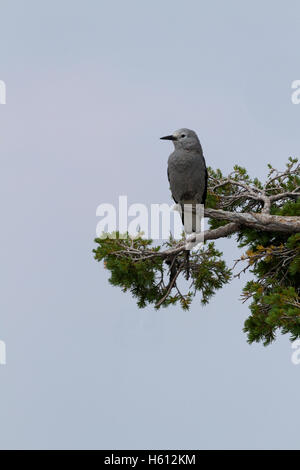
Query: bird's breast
(187,175)
(183,163)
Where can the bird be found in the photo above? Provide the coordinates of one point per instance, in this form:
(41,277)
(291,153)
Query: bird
(187,175)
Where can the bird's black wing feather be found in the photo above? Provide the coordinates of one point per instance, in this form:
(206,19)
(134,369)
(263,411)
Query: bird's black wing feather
(169,182)
(205,188)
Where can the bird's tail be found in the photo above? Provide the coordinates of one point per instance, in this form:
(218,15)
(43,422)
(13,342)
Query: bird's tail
(191,217)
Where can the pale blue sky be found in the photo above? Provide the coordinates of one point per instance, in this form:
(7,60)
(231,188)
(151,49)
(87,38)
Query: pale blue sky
(91,86)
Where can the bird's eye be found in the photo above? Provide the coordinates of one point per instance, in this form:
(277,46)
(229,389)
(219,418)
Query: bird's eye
(183,136)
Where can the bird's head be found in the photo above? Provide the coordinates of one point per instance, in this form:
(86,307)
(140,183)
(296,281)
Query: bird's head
(185,139)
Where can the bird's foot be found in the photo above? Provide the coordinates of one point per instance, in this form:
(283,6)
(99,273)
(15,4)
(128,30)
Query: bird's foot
(194,240)
(176,207)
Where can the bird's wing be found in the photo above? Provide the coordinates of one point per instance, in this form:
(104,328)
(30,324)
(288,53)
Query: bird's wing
(170,183)
(205,188)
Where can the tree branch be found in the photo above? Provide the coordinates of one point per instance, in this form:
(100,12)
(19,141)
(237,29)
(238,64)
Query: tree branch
(258,221)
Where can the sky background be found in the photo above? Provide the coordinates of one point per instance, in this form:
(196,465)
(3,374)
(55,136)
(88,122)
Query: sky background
(91,86)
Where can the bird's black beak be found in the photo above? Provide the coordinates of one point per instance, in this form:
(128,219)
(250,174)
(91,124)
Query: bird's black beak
(168,137)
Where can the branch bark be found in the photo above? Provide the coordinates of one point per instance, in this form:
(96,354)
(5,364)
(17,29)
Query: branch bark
(258,221)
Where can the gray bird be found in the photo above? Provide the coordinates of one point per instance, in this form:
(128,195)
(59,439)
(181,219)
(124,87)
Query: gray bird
(187,174)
